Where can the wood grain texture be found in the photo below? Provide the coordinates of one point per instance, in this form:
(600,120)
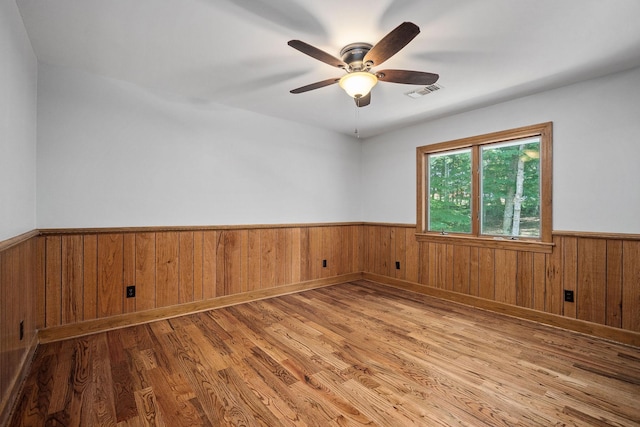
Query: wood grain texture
(129,269)
(602,272)
(22,299)
(53,281)
(72,275)
(570,273)
(614,283)
(183,266)
(352,354)
(167,268)
(110,275)
(631,286)
(592,270)
(145,271)
(90,277)
(186,262)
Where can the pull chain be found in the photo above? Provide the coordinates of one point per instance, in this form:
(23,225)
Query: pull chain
(357,132)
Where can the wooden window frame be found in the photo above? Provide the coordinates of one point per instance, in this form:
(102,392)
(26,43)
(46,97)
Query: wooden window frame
(542,244)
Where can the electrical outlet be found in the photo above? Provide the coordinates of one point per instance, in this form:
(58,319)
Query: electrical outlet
(21,330)
(131,291)
(397,265)
(324,263)
(568,296)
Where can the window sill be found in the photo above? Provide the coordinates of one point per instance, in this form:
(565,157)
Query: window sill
(487,242)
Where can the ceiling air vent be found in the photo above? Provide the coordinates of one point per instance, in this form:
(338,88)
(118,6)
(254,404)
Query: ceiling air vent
(418,93)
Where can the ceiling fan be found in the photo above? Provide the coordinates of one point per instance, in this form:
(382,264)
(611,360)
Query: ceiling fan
(358,59)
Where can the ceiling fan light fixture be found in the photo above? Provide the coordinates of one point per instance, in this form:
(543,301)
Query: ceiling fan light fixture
(358,83)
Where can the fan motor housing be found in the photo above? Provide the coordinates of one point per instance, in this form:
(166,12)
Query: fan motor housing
(354,53)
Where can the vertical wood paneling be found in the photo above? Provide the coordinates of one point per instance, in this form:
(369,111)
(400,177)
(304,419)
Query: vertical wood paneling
(90,276)
(505,275)
(368,248)
(631,286)
(186,267)
(591,294)
(524,280)
(244,260)
(554,278)
(145,271)
(296,254)
(593,268)
(27,267)
(305,254)
(110,278)
(41,297)
(82,277)
(167,258)
(197,265)
(385,256)
(338,234)
(474,268)
(53,281)
(229,272)
(129,269)
(326,252)
(254,260)
(267,258)
(287,239)
(570,273)
(345,246)
(614,283)
(411,257)
(7,329)
(539,277)
(355,249)
(461,268)
(20,266)
(437,254)
(209,263)
(486,273)
(399,254)
(374,250)
(72,277)
(448,265)
(11,317)
(424,258)
(315,253)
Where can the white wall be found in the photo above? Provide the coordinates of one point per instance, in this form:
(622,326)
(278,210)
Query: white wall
(113,154)
(596,143)
(18,79)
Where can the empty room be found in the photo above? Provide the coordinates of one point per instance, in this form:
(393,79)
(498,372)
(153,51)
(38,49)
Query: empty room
(303,213)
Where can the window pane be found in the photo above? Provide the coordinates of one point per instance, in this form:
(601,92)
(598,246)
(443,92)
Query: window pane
(510,188)
(449,198)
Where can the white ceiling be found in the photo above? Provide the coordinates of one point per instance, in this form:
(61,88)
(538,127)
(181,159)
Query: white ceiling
(235,53)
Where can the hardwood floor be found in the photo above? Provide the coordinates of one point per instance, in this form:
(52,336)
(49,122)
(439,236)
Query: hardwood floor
(346,355)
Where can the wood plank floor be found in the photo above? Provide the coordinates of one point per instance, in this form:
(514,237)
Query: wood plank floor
(346,355)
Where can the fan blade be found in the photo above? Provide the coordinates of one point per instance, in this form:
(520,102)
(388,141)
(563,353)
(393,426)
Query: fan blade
(316,53)
(316,85)
(392,43)
(407,77)
(363,101)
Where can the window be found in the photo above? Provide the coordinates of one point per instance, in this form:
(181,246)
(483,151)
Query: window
(490,190)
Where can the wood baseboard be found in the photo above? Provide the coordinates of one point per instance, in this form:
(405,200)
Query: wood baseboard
(9,399)
(576,325)
(58,333)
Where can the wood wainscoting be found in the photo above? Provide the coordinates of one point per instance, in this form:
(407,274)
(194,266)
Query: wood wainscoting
(18,272)
(71,282)
(87,271)
(603,271)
